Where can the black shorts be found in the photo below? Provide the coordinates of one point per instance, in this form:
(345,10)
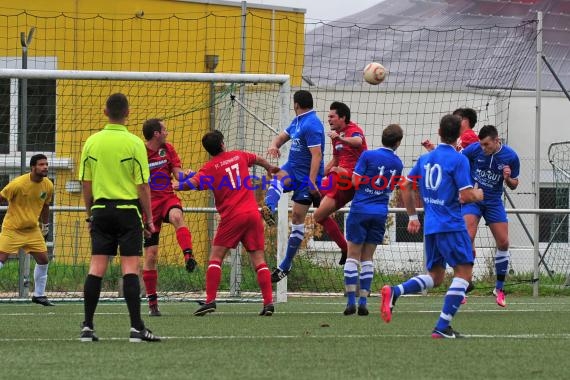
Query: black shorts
(116,224)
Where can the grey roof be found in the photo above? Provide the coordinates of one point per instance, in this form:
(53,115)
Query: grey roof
(443,44)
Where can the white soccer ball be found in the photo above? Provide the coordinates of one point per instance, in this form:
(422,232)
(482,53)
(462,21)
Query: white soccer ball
(374,73)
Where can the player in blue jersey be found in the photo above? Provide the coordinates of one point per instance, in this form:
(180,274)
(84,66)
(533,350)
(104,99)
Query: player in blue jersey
(492,164)
(375,175)
(301,174)
(444,183)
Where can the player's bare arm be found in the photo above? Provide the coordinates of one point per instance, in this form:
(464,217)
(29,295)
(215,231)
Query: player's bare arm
(144,198)
(278,141)
(470,195)
(316,157)
(190,184)
(409,195)
(353,142)
(87,196)
(512,183)
(271,169)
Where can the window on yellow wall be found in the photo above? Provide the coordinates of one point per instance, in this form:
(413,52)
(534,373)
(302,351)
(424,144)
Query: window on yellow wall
(40,135)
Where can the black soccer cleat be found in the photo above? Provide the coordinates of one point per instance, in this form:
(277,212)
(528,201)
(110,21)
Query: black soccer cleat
(144,335)
(87,334)
(154,311)
(267,310)
(343,256)
(278,275)
(42,300)
(268,215)
(447,333)
(189,261)
(363,310)
(205,309)
(350,310)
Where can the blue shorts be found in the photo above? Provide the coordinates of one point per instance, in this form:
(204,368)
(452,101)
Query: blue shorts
(300,184)
(492,210)
(365,228)
(452,248)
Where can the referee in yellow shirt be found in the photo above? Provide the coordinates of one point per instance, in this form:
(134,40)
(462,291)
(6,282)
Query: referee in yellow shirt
(26,222)
(114,173)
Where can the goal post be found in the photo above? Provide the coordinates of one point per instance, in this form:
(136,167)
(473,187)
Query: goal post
(183,101)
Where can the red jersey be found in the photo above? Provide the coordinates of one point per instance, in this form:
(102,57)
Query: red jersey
(227,175)
(348,156)
(161,163)
(467,138)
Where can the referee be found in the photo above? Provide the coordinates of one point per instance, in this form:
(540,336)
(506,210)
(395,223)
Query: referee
(114,173)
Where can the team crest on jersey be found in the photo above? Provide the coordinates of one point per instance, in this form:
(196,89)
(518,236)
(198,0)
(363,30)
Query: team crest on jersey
(162,152)
(43,195)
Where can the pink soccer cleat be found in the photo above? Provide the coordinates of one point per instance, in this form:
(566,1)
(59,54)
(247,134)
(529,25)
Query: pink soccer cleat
(500,294)
(386,305)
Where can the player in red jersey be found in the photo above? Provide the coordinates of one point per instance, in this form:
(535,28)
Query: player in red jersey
(164,164)
(227,175)
(348,144)
(467,134)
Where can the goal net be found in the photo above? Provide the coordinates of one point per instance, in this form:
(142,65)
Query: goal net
(431,71)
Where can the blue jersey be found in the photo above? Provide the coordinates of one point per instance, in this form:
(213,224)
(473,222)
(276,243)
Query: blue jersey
(381,169)
(441,174)
(306,131)
(487,171)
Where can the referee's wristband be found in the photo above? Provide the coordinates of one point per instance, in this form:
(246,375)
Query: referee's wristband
(413,217)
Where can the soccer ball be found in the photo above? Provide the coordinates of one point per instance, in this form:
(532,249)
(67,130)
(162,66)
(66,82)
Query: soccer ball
(374,73)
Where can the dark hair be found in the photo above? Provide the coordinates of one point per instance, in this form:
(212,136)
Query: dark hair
(212,142)
(449,127)
(342,110)
(150,126)
(117,106)
(488,130)
(468,113)
(303,98)
(392,135)
(35,158)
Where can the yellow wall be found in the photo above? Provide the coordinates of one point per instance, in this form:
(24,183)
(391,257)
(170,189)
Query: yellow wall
(172,36)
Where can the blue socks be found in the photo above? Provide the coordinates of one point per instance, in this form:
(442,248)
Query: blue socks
(295,239)
(366,275)
(350,280)
(452,302)
(414,285)
(273,194)
(501,267)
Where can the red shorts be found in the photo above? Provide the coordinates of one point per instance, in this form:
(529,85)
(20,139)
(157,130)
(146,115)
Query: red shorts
(246,228)
(161,206)
(330,188)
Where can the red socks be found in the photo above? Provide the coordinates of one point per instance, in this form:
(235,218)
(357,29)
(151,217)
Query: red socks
(150,278)
(264,281)
(184,238)
(213,278)
(334,232)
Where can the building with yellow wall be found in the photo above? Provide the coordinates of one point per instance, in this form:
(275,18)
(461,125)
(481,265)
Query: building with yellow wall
(126,35)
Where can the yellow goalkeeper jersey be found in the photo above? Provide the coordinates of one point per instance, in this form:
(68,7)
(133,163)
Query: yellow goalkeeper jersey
(26,199)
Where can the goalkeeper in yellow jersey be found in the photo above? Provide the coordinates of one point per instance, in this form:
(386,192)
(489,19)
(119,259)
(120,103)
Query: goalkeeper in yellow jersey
(27,221)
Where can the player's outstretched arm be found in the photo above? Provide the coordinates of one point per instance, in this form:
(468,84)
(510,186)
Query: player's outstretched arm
(278,141)
(409,198)
(271,169)
(470,195)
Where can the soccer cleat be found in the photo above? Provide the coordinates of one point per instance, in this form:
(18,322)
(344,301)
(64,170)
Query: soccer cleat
(268,216)
(500,294)
(363,310)
(267,310)
(154,311)
(447,333)
(205,309)
(464,300)
(387,303)
(189,261)
(350,310)
(470,287)
(342,260)
(144,335)
(42,300)
(87,334)
(278,274)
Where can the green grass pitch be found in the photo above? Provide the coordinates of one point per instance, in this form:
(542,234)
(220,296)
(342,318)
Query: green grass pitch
(307,338)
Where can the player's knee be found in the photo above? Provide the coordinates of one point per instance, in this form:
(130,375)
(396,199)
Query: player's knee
(503,245)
